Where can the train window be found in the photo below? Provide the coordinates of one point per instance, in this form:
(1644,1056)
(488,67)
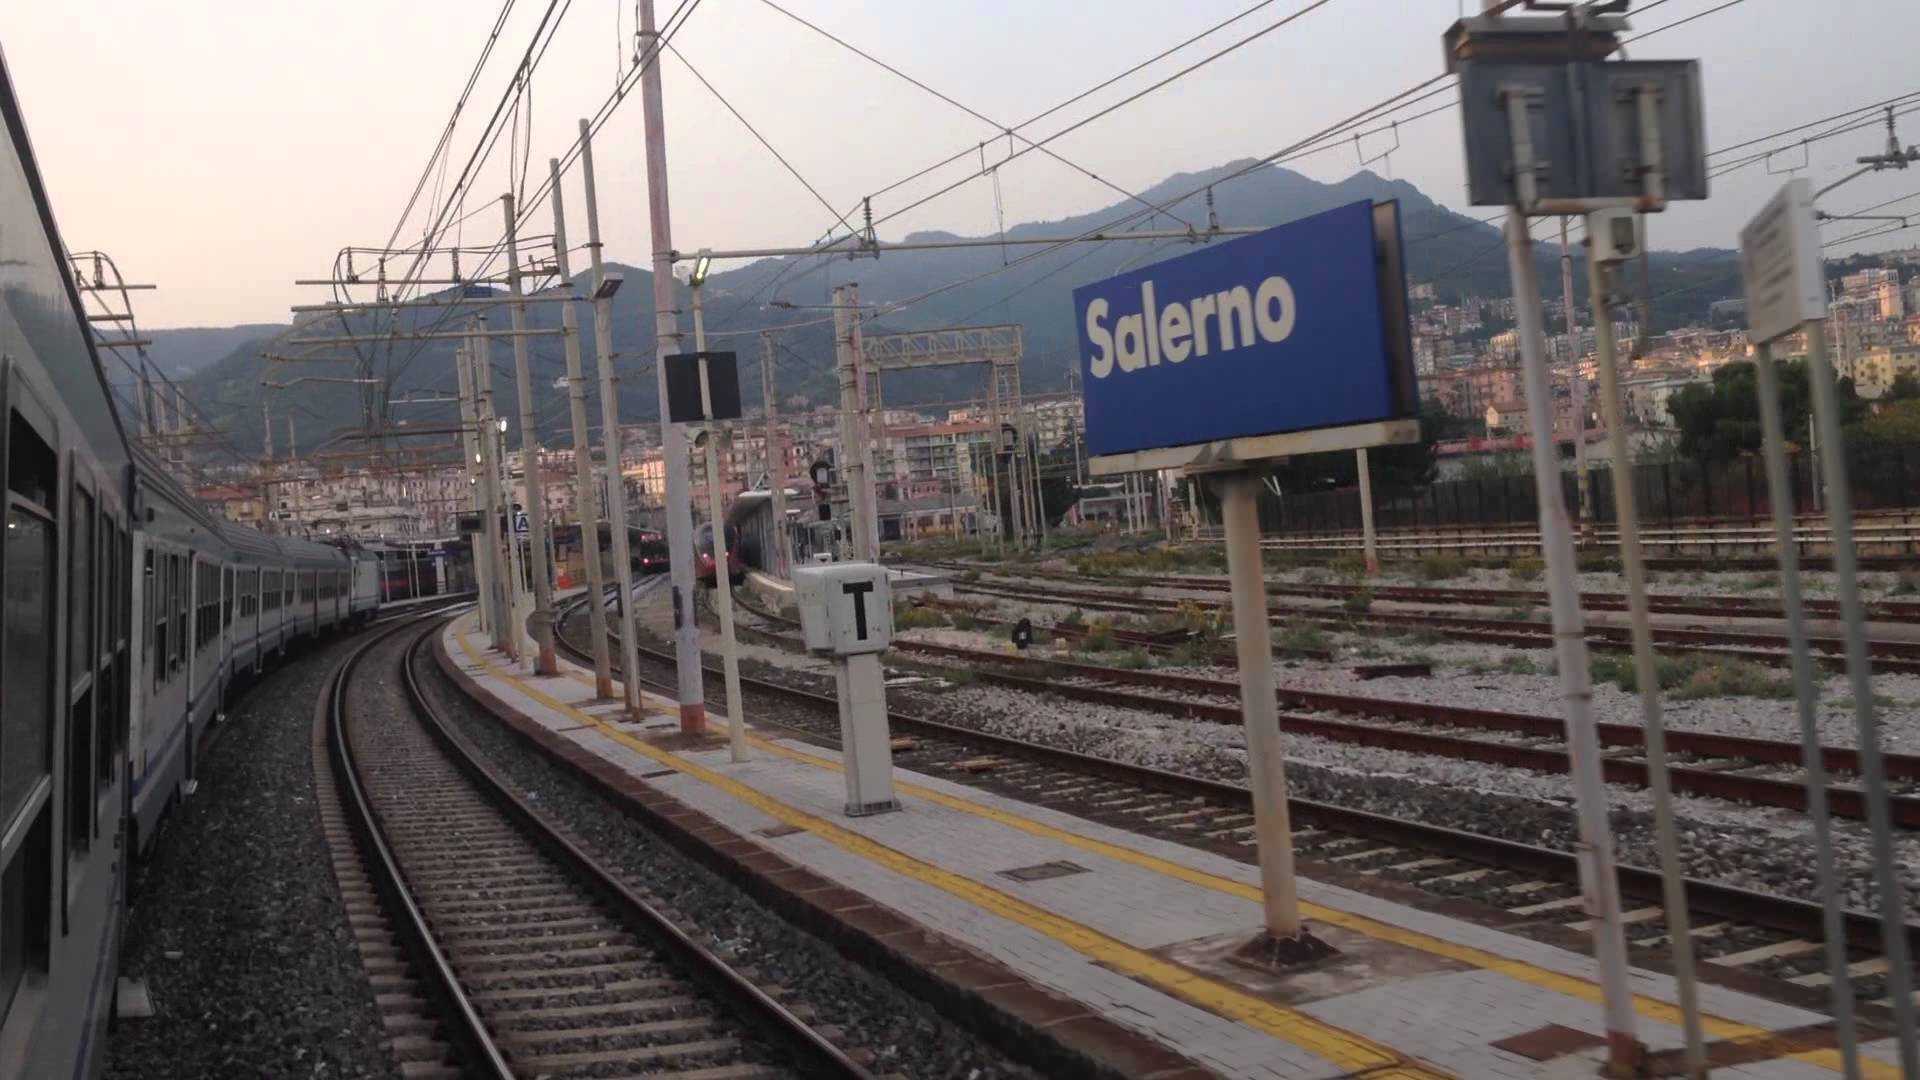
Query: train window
(26,746)
(26,712)
(149,593)
(80,596)
(180,604)
(33,470)
(26,910)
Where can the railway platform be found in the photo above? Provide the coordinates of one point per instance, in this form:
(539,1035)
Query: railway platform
(1122,944)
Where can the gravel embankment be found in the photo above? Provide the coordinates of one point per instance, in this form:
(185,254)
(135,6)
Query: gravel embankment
(1764,849)
(907,1037)
(237,924)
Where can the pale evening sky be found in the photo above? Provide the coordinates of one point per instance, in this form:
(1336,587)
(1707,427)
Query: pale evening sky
(222,148)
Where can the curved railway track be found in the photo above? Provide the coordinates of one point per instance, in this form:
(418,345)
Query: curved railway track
(1901,657)
(539,961)
(1752,937)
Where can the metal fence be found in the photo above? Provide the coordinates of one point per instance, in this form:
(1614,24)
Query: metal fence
(1666,492)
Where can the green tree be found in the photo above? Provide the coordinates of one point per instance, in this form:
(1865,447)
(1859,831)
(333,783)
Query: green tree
(1720,420)
(1905,387)
(1895,422)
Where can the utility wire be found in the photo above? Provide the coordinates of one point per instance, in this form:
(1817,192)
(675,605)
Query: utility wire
(1010,133)
(1122,103)
(530,205)
(755,132)
(1681,22)
(446,134)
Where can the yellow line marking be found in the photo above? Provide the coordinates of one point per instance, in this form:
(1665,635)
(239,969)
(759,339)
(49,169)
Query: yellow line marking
(1558,982)
(1350,1052)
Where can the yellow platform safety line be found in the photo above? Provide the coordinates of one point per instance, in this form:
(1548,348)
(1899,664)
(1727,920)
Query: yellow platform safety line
(1350,1052)
(1650,1008)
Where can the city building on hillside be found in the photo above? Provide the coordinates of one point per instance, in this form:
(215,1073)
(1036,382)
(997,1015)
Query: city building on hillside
(1875,370)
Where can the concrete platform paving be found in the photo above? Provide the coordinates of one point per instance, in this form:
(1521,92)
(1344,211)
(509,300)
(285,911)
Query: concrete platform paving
(1139,928)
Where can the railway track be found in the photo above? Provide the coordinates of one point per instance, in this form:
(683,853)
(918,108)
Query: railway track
(1724,606)
(1901,657)
(1752,938)
(1761,772)
(537,960)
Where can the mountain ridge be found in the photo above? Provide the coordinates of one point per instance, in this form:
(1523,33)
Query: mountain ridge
(1029,285)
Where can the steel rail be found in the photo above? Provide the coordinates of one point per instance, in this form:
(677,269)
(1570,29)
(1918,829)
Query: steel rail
(437,979)
(1896,611)
(811,1053)
(1766,910)
(1901,657)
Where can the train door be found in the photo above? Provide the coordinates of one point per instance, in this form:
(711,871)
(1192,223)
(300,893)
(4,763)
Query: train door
(140,615)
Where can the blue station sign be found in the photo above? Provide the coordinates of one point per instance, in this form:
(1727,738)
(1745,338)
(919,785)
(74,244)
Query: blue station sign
(1300,327)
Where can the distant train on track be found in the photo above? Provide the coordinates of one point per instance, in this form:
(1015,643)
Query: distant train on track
(129,612)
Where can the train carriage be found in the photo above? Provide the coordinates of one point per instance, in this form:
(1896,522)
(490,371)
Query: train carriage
(65,663)
(179,551)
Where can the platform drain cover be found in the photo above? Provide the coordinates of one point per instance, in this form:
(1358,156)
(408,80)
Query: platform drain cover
(1547,1043)
(1043,871)
(776,831)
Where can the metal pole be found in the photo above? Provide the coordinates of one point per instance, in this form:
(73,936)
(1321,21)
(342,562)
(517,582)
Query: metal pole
(498,564)
(1627,523)
(610,441)
(292,448)
(1600,884)
(181,427)
(545,663)
(673,442)
(1806,694)
(722,579)
(266,427)
(582,453)
(1366,514)
(776,460)
(494,438)
(863,447)
(1579,389)
(1031,443)
(1873,775)
(853,466)
(1259,708)
(470,457)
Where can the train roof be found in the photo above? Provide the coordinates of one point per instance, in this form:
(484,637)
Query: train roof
(249,545)
(42,298)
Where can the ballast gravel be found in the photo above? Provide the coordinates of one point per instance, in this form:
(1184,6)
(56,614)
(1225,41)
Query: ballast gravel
(237,924)
(908,1037)
(1759,848)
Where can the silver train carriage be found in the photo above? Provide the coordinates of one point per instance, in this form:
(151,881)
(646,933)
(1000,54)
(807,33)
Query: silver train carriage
(127,612)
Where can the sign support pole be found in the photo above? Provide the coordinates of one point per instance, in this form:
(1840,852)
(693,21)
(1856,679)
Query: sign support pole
(690,678)
(717,520)
(1599,881)
(1627,519)
(1259,707)
(1873,774)
(1806,697)
(1366,514)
